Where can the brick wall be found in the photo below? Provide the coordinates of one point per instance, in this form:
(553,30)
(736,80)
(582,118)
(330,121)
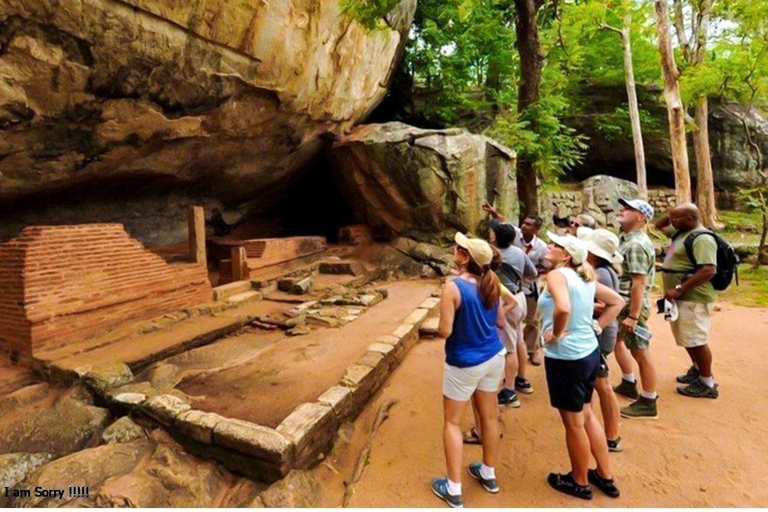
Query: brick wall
(70,282)
(265,252)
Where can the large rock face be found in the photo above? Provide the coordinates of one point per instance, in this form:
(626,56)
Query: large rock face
(421,183)
(107,106)
(733,163)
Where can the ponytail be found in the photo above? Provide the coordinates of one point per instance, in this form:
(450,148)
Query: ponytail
(587,272)
(488,286)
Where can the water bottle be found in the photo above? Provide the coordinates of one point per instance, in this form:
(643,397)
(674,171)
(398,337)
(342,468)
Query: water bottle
(643,333)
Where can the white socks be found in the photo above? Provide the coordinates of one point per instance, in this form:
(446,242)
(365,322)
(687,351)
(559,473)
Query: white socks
(708,381)
(454,489)
(487,473)
(649,396)
(628,377)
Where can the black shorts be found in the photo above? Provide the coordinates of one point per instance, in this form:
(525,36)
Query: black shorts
(571,382)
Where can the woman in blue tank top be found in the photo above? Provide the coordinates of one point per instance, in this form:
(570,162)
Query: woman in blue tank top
(474,363)
(572,361)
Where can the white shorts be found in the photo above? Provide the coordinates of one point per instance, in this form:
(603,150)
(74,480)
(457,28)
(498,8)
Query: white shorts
(691,329)
(513,332)
(460,383)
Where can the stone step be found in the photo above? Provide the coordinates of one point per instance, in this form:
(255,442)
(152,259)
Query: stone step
(244,297)
(429,328)
(234,288)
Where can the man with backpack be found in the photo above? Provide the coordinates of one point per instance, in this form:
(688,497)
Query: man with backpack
(690,264)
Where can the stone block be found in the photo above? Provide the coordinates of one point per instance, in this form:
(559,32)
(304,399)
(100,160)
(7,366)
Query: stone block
(104,377)
(322,321)
(370,299)
(365,378)
(429,328)
(372,359)
(251,439)
(352,268)
(227,290)
(165,408)
(340,399)
(430,303)
(417,317)
(198,425)
(387,351)
(311,427)
(408,334)
(130,400)
(244,297)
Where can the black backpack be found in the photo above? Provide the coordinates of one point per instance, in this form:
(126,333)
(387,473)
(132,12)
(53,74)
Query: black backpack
(727,261)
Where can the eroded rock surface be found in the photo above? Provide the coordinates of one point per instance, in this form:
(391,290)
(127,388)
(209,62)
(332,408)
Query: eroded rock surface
(160,104)
(419,182)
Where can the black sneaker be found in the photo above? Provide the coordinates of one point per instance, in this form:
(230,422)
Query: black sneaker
(508,398)
(615,445)
(627,389)
(523,385)
(698,389)
(566,484)
(606,485)
(642,409)
(690,376)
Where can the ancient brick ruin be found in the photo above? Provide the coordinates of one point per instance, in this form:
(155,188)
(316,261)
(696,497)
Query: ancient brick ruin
(268,258)
(66,283)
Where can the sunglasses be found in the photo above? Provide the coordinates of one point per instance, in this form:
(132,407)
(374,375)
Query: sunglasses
(575,224)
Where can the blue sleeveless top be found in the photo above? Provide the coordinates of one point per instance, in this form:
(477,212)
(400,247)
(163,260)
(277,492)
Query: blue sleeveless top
(474,339)
(581,341)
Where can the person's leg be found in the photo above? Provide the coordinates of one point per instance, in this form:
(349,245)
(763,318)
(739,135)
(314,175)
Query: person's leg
(522,359)
(510,369)
(609,405)
(598,443)
(489,419)
(452,437)
(647,371)
(476,414)
(702,357)
(577,441)
(624,358)
(531,330)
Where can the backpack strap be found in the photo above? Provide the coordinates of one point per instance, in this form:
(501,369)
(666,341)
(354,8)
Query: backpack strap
(688,244)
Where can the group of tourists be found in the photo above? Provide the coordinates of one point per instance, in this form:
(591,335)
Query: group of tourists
(575,301)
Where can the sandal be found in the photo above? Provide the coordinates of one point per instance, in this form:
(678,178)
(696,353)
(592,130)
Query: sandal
(471,436)
(566,484)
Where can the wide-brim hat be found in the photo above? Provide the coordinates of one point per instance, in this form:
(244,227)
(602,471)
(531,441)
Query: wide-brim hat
(602,243)
(572,245)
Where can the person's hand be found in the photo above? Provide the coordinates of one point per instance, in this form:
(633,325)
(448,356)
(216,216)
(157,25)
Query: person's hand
(673,294)
(488,208)
(599,308)
(549,337)
(629,324)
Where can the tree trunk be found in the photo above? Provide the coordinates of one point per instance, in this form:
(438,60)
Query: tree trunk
(705,185)
(675,107)
(634,110)
(531,59)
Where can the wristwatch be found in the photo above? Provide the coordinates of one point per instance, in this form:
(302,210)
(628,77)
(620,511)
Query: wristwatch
(679,287)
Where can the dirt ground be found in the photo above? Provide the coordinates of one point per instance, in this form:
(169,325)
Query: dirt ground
(290,371)
(710,453)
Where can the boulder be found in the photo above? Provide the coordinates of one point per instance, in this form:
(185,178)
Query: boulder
(123,430)
(423,183)
(104,377)
(15,467)
(134,110)
(68,426)
(299,489)
(600,198)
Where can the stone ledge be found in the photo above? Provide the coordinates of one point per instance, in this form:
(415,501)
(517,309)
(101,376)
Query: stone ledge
(198,425)
(165,408)
(251,439)
(311,427)
(417,317)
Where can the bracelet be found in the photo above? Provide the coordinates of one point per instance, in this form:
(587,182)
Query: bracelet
(633,318)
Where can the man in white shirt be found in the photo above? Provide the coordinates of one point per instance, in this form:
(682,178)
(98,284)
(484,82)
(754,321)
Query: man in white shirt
(527,239)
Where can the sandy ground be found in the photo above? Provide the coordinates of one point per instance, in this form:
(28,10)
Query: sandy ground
(699,453)
(291,371)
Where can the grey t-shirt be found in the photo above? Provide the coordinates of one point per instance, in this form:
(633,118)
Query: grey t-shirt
(520,263)
(607,276)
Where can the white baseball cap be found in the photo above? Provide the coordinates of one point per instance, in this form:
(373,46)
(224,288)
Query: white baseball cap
(572,245)
(478,249)
(602,243)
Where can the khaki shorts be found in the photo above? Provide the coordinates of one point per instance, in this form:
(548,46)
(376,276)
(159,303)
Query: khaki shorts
(460,383)
(630,339)
(691,329)
(513,333)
